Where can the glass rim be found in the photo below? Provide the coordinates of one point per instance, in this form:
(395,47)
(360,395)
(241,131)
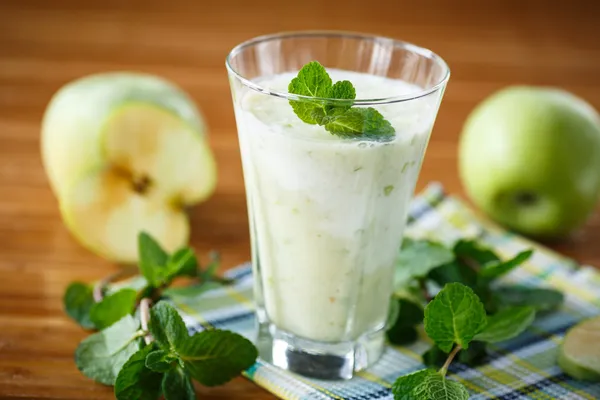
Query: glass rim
(421,51)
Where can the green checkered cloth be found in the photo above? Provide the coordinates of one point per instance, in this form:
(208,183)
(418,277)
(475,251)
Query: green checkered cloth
(522,368)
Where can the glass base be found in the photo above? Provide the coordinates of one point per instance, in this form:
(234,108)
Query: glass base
(321,360)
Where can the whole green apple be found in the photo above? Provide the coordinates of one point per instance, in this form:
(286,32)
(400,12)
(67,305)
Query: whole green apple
(530,158)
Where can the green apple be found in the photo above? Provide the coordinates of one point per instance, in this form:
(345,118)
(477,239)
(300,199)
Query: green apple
(579,354)
(126,152)
(530,158)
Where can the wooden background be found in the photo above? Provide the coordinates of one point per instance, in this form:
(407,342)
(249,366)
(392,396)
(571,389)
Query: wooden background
(45,43)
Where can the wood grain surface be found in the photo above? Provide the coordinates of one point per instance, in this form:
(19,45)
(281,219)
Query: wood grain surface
(44,44)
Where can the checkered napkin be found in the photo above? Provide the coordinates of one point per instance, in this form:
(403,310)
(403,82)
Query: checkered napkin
(522,368)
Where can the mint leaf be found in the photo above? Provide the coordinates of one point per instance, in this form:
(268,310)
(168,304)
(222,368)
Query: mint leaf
(428,385)
(455,315)
(417,258)
(360,122)
(214,357)
(182,263)
(454,271)
(167,326)
(409,387)
(113,307)
(101,356)
(403,330)
(176,385)
(160,360)
(77,302)
(539,298)
(340,90)
(495,269)
(438,387)
(314,81)
(506,324)
(475,252)
(135,381)
(152,259)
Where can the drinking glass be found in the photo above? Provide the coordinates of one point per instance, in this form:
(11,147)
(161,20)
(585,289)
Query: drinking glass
(327,213)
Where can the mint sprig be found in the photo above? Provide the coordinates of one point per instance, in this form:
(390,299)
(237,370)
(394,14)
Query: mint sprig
(452,319)
(338,118)
(144,351)
(469,313)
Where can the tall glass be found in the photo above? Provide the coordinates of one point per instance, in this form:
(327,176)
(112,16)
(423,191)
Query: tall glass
(327,213)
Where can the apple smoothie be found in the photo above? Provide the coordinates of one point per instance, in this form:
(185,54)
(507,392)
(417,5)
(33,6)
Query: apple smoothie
(327,213)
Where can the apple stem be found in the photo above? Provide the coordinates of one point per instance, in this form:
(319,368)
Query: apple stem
(100,286)
(145,317)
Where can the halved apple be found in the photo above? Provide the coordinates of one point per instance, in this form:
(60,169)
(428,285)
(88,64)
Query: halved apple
(125,153)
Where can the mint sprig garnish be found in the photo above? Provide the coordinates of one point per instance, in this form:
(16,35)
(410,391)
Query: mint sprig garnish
(338,118)
(145,351)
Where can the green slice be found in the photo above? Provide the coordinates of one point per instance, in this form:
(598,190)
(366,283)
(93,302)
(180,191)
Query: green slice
(154,166)
(579,354)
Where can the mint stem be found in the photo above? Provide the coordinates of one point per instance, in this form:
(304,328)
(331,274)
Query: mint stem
(101,285)
(145,317)
(451,356)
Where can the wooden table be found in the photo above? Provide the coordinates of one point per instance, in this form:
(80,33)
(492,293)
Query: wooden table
(44,44)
